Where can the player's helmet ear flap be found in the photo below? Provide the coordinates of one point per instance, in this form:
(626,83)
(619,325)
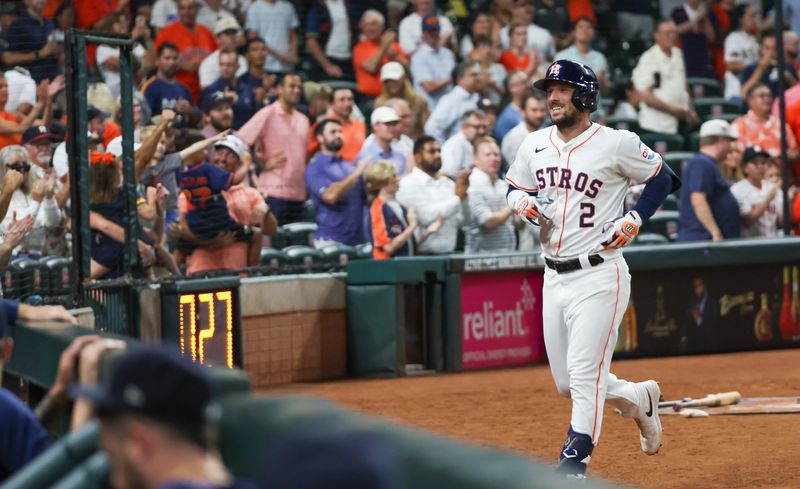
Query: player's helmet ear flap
(587,88)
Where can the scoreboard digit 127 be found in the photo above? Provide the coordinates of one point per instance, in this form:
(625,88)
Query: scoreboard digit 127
(203,316)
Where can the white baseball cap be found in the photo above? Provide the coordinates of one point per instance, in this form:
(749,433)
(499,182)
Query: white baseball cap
(233,143)
(716,127)
(383,115)
(115,146)
(392,71)
(226,24)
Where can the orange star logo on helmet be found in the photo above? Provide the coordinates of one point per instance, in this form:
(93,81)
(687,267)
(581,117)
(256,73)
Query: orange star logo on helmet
(554,69)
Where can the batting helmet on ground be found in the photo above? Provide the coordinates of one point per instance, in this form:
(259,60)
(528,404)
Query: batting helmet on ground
(580,76)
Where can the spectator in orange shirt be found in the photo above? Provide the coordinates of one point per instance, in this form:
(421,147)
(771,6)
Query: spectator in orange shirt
(97,15)
(517,58)
(12,125)
(759,128)
(378,48)
(194,42)
(354,131)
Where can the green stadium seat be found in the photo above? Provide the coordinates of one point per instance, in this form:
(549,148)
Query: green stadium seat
(670,203)
(300,233)
(338,255)
(704,87)
(21,278)
(605,104)
(663,143)
(341,84)
(303,259)
(676,159)
(649,239)
(55,272)
(273,260)
(693,144)
(729,117)
(625,123)
(664,223)
(279,241)
(713,107)
(308,211)
(364,251)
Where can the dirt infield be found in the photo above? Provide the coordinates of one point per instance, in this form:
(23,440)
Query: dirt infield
(519,409)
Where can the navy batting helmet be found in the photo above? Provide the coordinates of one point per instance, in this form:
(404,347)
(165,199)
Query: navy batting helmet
(580,76)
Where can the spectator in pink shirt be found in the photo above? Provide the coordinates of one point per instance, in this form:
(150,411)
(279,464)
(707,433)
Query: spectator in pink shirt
(245,205)
(279,134)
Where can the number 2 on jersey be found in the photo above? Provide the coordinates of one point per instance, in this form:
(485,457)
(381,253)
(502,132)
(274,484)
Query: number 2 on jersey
(587,213)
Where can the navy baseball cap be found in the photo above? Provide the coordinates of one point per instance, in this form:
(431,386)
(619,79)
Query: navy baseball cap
(93,112)
(753,152)
(211,100)
(430,23)
(154,381)
(37,133)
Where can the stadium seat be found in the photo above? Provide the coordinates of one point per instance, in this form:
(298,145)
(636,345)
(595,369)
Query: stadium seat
(704,87)
(55,274)
(670,203)
(664,223)
(279,241)
(93,473)
(273,260)
(308,211)
(729,117)
(662,143)
(338,255)
(606,104)
(625,123)
(693,143)
(713,107)
(676,159)
(364,251)
(22,278)
(303,259)
(300,233)
(334,84)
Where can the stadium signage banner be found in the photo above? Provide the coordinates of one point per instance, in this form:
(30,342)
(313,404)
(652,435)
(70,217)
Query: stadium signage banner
(501,318)
(709,310)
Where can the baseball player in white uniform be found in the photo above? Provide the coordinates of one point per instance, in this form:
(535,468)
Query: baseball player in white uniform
(571,179)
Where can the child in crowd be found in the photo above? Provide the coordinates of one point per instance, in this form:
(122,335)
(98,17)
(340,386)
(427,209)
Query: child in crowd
(201,184)
(392,225)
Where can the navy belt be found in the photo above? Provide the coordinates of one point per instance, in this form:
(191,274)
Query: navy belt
(565,266)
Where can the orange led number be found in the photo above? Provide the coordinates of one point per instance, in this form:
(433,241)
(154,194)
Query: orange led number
(198,339)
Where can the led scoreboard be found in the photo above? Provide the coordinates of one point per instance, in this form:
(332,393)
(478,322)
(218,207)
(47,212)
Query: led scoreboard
(203,317)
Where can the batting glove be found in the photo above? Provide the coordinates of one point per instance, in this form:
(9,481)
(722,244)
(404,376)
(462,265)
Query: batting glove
(621,230)
(527,211)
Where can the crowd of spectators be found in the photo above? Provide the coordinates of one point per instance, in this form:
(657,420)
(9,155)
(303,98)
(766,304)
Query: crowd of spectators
(395,120)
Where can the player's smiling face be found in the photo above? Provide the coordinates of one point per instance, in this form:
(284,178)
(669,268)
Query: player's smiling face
(559,103)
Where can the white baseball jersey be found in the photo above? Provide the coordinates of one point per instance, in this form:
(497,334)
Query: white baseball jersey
(750,196)
(586,178)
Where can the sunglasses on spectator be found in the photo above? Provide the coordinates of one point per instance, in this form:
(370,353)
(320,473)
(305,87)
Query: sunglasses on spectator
(22,167)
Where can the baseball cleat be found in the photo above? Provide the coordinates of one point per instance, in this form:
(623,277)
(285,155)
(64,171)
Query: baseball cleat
(648,421)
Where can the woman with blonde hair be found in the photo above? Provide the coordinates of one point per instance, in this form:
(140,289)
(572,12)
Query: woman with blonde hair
(392,225)
(396,85)
(24,195)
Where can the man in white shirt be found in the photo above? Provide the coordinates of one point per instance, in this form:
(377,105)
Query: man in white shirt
(211,12)
(432,64)
(491,225)
(457,152)
(164,13)
(226,31)
(760,201)
(433,196)
(21,91)
(276,22)
(660,78)
(533,112)
(443,122)
(410,29)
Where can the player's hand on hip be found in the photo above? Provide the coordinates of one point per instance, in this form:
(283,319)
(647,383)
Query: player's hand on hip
(527,211)
(621,231)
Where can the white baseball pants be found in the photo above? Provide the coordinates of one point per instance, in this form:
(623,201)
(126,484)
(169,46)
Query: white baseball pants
(582,311)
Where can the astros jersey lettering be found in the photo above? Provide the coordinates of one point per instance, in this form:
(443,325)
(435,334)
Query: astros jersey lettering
(586,178)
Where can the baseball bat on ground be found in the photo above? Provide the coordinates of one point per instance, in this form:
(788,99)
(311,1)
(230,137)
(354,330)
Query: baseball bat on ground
(710,400)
